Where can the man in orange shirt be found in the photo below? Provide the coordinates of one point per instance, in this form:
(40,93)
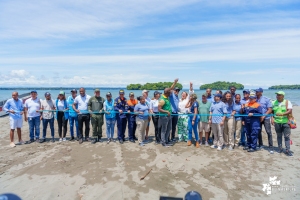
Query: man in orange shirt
(131,117)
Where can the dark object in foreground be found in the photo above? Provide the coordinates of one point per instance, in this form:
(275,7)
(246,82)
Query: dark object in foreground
(142,178)
(192,195)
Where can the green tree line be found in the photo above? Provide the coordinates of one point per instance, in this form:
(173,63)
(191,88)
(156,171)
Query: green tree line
(285,87)
(152,86)
(222,85)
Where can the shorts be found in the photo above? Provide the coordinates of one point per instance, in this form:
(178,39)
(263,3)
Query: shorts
(15,123)
(204,126)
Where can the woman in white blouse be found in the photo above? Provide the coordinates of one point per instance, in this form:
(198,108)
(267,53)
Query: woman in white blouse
(183,119)
(155,118)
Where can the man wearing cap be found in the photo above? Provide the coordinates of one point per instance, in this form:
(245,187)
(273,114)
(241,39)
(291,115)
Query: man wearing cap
(266,105)
(145,94)
(110,117)
(246,99)
(174,100)
(14,107)
(73,116)
(95,107)
(203,124)
(83,115)
(32,115)
(47,116)
(165,120)
(253,110)
(121,107)
(217,118)
(282,108)
(131,117)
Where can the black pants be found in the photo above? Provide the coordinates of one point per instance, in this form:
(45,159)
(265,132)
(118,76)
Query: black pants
(83,118)
(174,124)
(62,124)
(157,129)
(267,125)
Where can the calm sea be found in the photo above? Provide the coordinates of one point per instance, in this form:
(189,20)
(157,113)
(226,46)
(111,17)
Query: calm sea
(292,95)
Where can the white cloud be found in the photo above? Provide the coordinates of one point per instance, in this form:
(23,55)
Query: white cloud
(19,73)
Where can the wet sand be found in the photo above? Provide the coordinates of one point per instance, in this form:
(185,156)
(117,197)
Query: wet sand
(112,171)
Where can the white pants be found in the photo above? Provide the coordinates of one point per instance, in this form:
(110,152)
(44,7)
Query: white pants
(15,123)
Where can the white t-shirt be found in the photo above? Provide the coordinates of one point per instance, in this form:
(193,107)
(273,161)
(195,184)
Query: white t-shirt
(33,106)
(60,105)
(154,105)
(183,103)
(47,105)
(82,102)
(290,106)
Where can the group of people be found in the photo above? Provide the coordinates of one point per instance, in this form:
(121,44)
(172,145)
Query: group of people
(233,120)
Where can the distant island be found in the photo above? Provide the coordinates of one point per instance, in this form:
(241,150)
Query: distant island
(222,85)
(152,86)
(285,87)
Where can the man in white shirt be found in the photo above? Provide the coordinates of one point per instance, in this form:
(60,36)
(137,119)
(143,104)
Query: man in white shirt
(32,115)
(83,115)
(47,117)
(145,94)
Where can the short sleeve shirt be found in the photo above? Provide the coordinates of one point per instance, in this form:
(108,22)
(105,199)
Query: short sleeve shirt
(237,108)
(82,102)
(33,105)
(174,100)
(154,105)
(14,105)
(194,105)
(47,105)
(142,108)
(265,103)
(229,110)
(218,109)
(204,111)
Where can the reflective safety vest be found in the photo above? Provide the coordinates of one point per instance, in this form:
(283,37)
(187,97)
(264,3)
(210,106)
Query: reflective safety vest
(280,109)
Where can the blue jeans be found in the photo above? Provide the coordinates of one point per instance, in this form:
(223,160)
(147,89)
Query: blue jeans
(193,127)
(45,124)
(243,135)
(110,127)
(34,127)
(71,121)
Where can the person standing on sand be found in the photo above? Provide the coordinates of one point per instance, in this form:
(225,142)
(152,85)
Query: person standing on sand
(132,102)
(246,99)
(73,116)
(217,117)
(32,115)
(142,119)
(62,115)
(121,107)
(229,121)
(282,108)
(252,122)
(47,116)
(266,105)
(174,100)
(237,107)
(95,105)
(145,94)
(183,120)
(203,124)
(165,120)
(80,106)
(14,107)
(193,120)
(110,117)
(155,118)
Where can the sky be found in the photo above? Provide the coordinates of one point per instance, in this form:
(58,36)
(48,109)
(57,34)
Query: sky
(114,43)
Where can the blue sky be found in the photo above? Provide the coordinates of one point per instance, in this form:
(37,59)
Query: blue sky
(114,43)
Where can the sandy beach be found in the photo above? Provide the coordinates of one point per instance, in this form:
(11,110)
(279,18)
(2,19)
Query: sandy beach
(113,171)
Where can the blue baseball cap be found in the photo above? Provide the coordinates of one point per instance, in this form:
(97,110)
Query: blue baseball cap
(259,90)
(47,94)
(246,91)
(218,95)
(33,91)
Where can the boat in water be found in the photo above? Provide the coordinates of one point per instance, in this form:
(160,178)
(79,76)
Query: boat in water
(23,97)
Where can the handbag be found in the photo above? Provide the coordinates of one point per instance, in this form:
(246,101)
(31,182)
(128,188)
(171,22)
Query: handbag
(292,121)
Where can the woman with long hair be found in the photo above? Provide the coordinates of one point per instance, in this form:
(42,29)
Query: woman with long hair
(193,120)
(61,115)
(229,121)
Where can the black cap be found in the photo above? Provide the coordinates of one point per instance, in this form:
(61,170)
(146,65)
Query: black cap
(156,92)
(121,92)
(47,94)
(108,94)
(177,88)
(74,90)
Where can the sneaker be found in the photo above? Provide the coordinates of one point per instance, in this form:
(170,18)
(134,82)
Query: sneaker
(99,140)
(135,138)
(173,140)
(189,143)
(251,150)
(142,144)
(42,140)
(230,148)
(271,150)
(213,147)
(245,148)
(21,142)
(289,153)
(165,145)
(64,139)
(145,141)
(280,150)
(121,141)
(77,139)
(80,141)
(52,140)
(219,148)
(197,145)
(60,140)
(258,148)
(29,141)
(71,139)
(108,140)
(114,140)
(94,140)
(37,140)
(132,140)
(206,144)
(12,144)
(169,144)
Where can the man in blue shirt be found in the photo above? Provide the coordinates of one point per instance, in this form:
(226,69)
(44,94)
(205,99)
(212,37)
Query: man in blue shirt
(73,116)
(246,99)
(121,107)
(209,97)
(174,100)
(266,105)
(14,107)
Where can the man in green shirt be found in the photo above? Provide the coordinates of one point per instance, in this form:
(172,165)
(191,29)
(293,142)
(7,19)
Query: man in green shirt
(165,120)
(282,109)
(203,124)
(95,105)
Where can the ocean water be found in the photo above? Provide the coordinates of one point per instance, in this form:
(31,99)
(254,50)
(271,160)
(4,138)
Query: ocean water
(292,95)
